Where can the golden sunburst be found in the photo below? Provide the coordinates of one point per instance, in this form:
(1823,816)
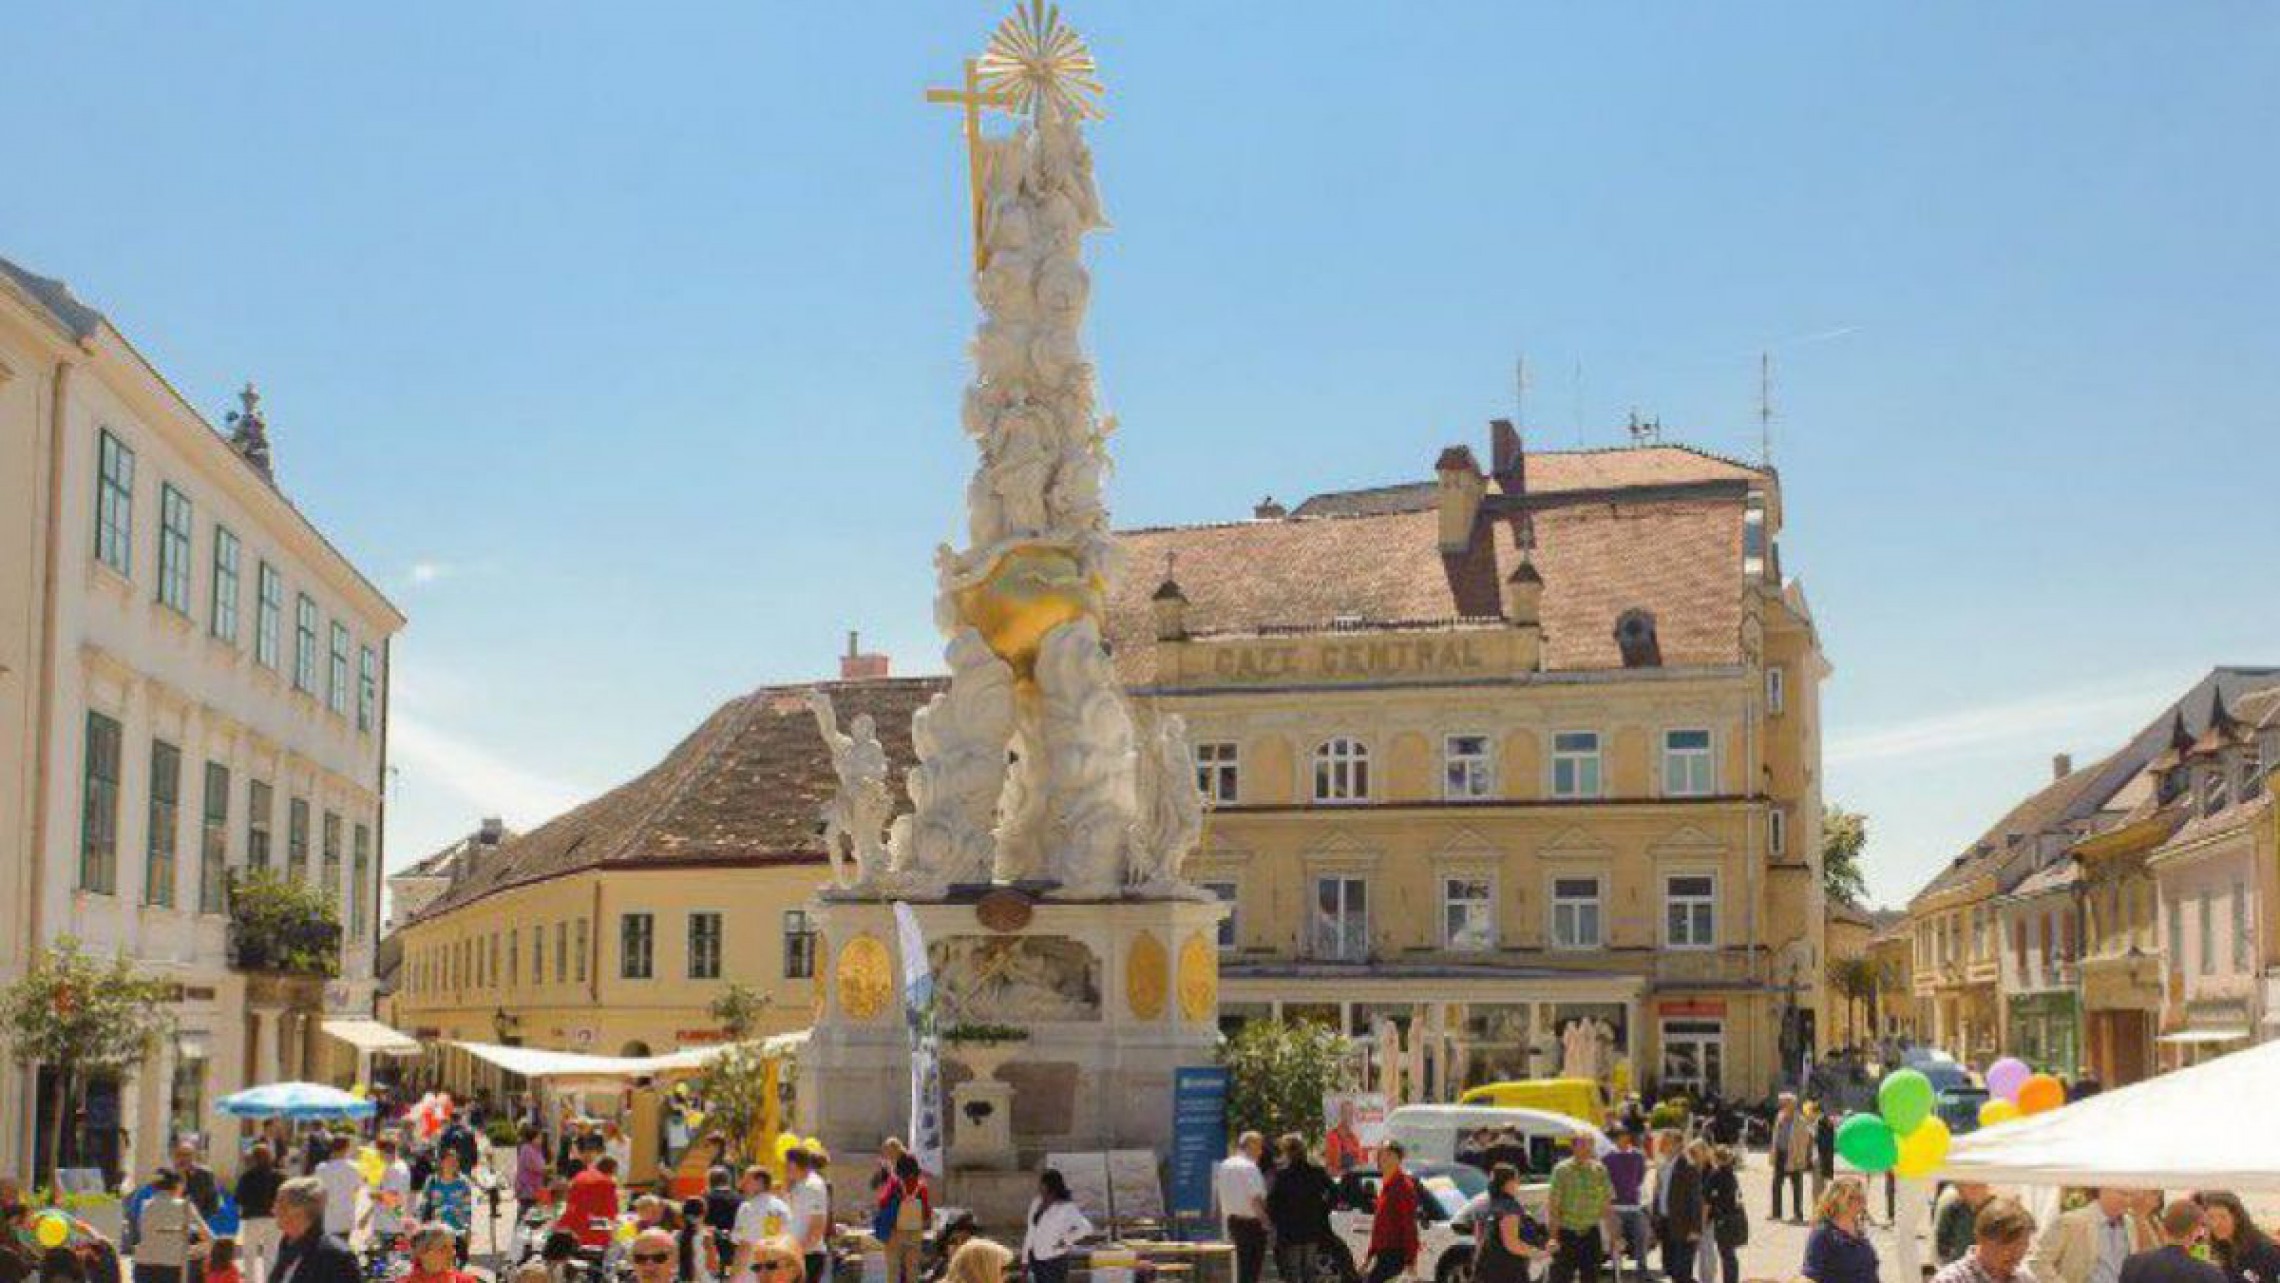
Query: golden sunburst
(1035,60)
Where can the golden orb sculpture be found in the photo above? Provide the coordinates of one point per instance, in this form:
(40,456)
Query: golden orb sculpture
(1030,591)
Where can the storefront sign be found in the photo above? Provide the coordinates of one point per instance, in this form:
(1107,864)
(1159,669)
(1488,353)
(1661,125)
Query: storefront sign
(1199,1136)
(700,1037)
(1354,659)
(1694,1007)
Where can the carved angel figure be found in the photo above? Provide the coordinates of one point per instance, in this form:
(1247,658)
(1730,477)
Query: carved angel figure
(1089,774)
(961,736)
(855,819)
(1171,819)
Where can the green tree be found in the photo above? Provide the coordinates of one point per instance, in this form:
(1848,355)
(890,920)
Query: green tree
(734,1087)
(1843,834)
(281,924)
(740,1008)
(1856,980)
(83,1019)
(1278,1071)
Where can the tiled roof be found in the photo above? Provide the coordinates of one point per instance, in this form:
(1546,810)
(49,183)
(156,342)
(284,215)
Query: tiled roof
(1680,559)
(1551,472)
(748,784)
(2069,804)
(55,298)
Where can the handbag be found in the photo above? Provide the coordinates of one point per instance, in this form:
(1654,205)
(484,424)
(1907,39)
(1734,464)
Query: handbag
(1733,1227)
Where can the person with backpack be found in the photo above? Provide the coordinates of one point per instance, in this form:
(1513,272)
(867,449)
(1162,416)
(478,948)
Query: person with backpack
(899,1220)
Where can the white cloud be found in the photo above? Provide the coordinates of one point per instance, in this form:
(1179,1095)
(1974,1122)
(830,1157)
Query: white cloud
(433,758)
(430,571)
(2108,710)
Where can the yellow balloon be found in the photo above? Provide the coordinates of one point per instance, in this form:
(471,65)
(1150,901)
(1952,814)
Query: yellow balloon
(696,1118)
(52,1230)
(360,1091)
(625,1232)
(1924,1149)
(1996,1112)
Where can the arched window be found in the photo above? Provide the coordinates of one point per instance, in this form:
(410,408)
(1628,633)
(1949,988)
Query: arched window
(1341,770)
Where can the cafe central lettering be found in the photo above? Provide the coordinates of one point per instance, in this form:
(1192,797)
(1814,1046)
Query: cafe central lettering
(1348,660)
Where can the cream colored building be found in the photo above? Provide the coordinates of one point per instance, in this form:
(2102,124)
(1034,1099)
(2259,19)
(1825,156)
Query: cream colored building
(1505,750)
(191,680)
(612,928)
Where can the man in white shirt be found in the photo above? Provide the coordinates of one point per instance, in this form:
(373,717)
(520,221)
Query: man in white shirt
(810,1201)
(341,1180)
(1241,1191)
(762,1215)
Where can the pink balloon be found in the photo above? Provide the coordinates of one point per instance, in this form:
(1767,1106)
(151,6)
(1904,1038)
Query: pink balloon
(2006,1076)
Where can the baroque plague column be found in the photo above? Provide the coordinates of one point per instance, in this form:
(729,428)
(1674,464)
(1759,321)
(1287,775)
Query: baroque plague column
(1073,967)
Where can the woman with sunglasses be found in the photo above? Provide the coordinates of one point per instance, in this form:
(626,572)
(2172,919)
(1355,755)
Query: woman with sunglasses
(777,1260)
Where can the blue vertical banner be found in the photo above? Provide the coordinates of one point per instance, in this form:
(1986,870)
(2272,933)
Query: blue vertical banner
(1199,1136)
(925,1042)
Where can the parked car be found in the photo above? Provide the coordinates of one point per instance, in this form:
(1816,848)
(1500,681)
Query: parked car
(1579,1098)
(1437,1133)
(1956,1094)
(1444,1223)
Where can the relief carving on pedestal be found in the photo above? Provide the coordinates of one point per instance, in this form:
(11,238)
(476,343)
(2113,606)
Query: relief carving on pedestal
(1014,980)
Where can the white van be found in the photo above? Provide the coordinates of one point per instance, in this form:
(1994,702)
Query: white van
(1435,1133)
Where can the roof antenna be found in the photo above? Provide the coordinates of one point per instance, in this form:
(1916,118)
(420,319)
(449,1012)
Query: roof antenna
(1765,409)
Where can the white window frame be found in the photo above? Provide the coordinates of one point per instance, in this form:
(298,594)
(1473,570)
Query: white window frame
(1776,690)
(1555,900)
(1700,765)
(1340,771)
(1693,903)
(1317,924)
(1479,780)
(1219,771)
(1485,904)
(1592,762)
(1230,893)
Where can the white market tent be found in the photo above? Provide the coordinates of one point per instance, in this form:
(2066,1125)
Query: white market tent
(2207,1127)
(372,1038)
(567,1068)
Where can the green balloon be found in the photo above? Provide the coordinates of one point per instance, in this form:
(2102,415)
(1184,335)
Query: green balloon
(1905,1100)
(1868,1142)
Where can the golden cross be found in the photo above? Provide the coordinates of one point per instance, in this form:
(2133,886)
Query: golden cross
(973,98)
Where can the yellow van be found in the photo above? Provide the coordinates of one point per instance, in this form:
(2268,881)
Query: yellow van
(1578,1098)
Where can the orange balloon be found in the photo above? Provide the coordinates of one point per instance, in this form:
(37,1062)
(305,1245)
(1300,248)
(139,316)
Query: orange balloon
(2041,1093)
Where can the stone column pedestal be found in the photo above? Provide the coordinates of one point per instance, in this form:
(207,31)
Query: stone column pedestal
(1113,996)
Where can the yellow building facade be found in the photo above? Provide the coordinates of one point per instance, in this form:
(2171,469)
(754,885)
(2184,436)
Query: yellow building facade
(1487,755)
(1502,752)
(613,928)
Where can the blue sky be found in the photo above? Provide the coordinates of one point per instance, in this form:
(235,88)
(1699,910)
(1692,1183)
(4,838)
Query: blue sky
(623,343)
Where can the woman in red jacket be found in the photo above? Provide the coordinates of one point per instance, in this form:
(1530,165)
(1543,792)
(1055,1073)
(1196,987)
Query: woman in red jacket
(905,1209)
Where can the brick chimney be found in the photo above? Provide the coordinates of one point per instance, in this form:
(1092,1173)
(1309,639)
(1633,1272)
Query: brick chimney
(1508,457)
(2061,765)
(856,665)
(1461,486)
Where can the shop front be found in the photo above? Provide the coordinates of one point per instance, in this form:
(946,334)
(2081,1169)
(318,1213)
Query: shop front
(2046,1031)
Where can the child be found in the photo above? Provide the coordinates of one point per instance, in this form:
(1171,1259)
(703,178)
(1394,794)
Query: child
(221,1262)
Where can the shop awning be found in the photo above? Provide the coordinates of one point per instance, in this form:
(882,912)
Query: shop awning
(372,1037)
(2193,1037)
(561,1066)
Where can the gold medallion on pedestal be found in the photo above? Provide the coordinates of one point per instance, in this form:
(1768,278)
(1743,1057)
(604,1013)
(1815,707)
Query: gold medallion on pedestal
(1145,978)
(862,978)
(1199,980)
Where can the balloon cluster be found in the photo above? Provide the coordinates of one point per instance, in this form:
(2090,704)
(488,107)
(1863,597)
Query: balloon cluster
(1904,1136)
(2015,1091)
